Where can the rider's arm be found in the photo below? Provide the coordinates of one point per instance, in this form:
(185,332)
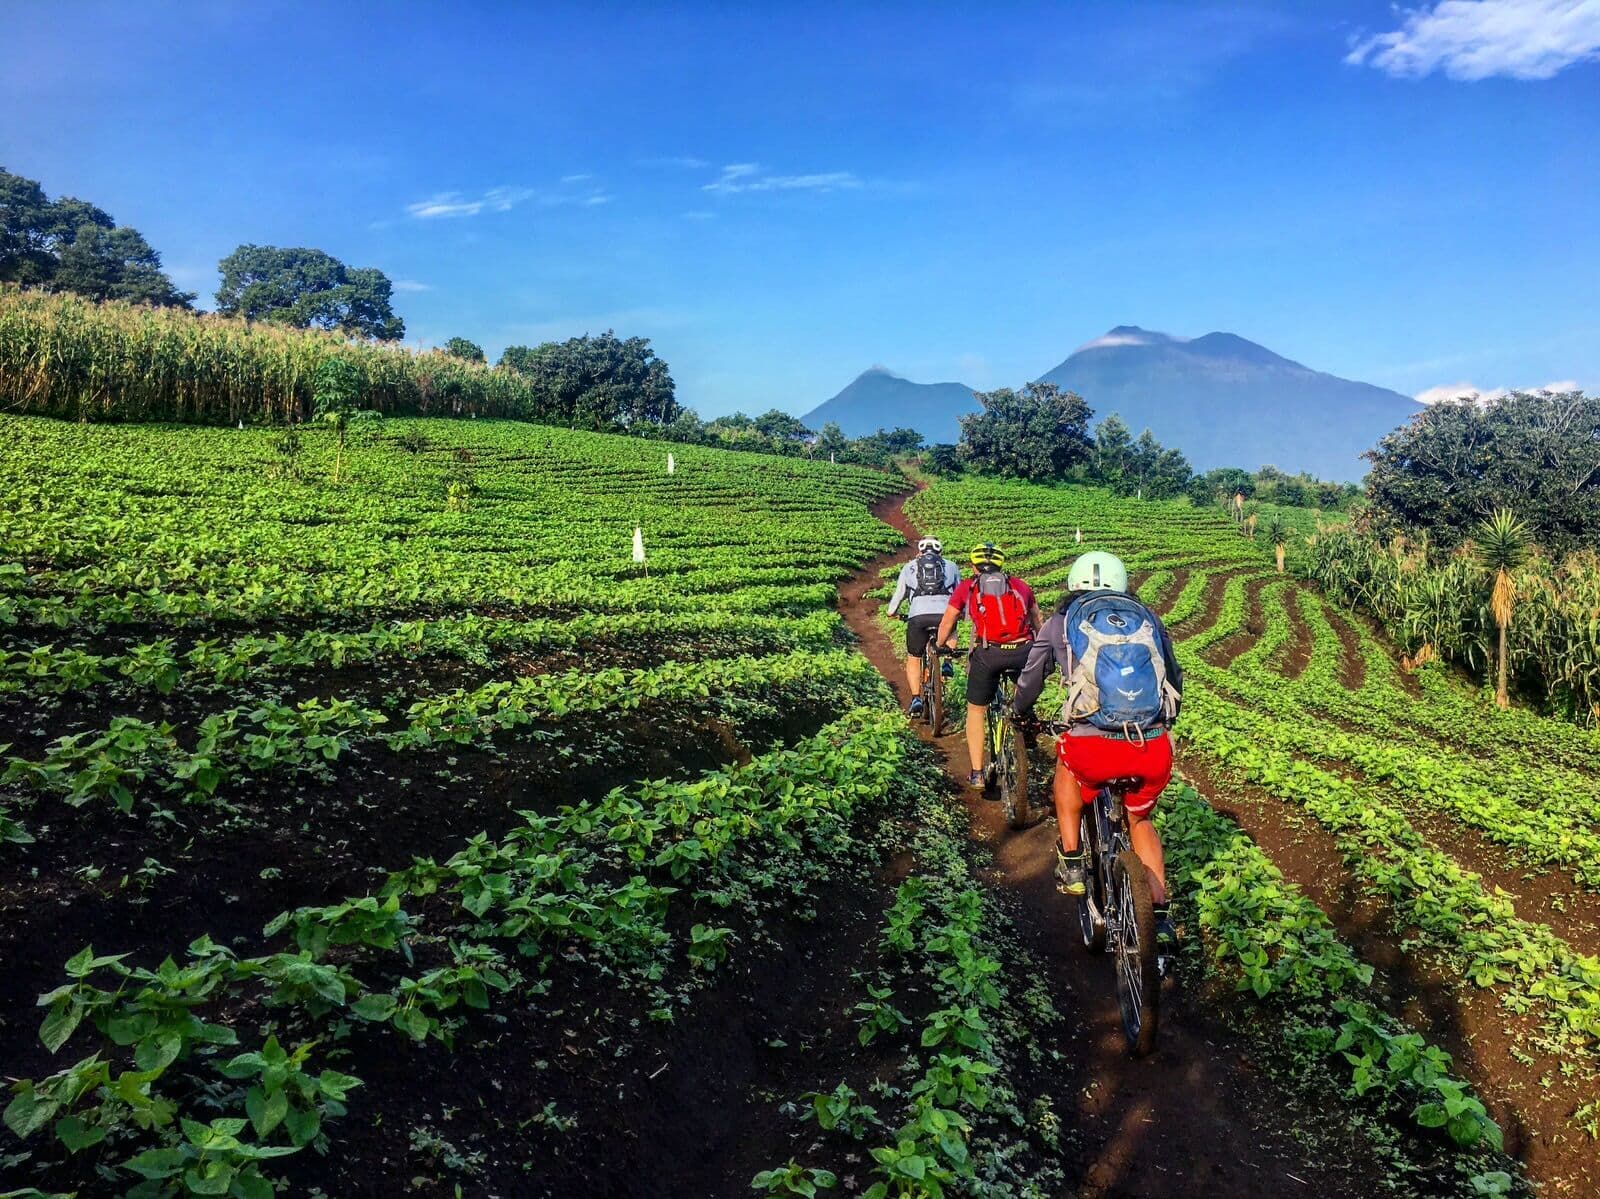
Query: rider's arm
(952,613)
(901,591)
(1041,656)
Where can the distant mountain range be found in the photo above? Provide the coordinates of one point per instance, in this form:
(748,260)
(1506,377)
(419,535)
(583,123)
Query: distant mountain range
(1222,400)
(878,399)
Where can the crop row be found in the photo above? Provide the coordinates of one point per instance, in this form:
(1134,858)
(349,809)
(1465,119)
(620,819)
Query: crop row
(131,757)
(1286,953)
(418,956)
(161,666)
(1479,932)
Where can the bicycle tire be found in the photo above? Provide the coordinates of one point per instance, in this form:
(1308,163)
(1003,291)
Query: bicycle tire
(1092,903)
(1014,778)
(1138,976)
(934,709)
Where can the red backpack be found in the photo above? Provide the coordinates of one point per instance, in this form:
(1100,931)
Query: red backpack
(999,617)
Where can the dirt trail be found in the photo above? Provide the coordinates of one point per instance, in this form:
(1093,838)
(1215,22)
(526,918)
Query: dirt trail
(1194,1117)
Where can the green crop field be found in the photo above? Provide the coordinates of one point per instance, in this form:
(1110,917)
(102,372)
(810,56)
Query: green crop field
(406,835)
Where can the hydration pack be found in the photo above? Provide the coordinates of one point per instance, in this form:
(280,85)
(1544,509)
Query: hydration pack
(1118,681)
(931,579)
(999,617)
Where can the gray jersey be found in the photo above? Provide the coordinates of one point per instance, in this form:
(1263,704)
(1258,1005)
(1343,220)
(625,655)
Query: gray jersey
(923,605)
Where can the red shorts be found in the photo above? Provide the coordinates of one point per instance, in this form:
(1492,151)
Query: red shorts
(1095,761)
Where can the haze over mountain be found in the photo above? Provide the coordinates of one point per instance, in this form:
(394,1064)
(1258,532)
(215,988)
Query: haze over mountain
(1222,400)
(879,399)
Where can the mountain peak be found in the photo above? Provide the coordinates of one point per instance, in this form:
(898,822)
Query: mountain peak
(1128,335)
(1226,401)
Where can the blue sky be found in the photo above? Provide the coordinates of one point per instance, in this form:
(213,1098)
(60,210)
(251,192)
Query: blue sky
(782,195)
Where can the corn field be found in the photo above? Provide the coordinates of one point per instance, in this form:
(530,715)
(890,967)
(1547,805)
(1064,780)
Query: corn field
(1445,605)
(64,356)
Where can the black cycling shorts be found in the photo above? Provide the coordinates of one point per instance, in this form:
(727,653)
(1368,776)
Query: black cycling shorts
(985,665)
(920,630)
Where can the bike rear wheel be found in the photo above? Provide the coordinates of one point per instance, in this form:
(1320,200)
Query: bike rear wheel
(933,686)
(1138,978)
(1092,904)
(1014,775)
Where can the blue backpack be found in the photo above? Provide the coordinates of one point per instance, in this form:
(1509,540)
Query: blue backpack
(1118,677)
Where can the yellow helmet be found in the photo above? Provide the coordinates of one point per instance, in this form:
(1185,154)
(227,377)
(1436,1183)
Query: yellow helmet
(988,554)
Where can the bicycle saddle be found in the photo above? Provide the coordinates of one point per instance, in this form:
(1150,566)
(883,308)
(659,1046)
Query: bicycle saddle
(1124,785)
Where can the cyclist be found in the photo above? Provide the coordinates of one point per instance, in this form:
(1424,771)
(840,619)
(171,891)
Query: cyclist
(1124,689)
(1004,618)
(927,580)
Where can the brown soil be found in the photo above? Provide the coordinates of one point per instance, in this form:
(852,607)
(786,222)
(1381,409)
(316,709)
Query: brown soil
(1195,1116)
(1298,651)
(1230,647)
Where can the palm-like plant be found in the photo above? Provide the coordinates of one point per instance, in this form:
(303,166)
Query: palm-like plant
(1502,547)
(1278,534)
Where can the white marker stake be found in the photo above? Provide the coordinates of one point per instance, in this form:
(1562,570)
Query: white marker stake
(638,544)
(672,465)
(1077,536)
(830,456)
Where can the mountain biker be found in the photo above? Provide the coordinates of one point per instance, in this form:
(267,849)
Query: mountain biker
(1096,615)
(1004,617)
(927,580)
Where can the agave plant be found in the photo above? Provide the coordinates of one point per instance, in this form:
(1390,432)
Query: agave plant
(1278,535)
(1502,546)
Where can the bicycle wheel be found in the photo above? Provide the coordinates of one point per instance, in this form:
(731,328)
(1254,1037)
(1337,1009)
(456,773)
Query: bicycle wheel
(1138,979)
(1014,775)
(1092,904)
(932,691)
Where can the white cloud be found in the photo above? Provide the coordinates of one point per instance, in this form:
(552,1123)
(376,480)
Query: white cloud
(410,285)
(1486,395)
(1477,39)
(739,177)
(449,204)
(682,161)
(504,199)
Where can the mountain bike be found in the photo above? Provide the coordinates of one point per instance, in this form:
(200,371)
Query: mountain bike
(1005,754)
(1116,911)
(933,685)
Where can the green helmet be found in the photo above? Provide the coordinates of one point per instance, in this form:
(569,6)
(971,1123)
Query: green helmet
(1097,571)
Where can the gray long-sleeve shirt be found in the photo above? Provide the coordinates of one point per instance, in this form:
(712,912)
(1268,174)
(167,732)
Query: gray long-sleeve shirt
(923,605)
(1050,649)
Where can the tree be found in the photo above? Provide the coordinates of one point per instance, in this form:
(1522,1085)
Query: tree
(942,459)
(1038,433)
(1112,446)
(599,382)
(779,427)
(115,264)
(307,289)
(1457,462)
(67,244)
(460,347)
(830,441)
(1502,546)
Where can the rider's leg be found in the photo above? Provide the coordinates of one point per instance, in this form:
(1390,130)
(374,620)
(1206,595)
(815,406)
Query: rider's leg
(975,731)
(914,674)
(1147,844)
(1069,806)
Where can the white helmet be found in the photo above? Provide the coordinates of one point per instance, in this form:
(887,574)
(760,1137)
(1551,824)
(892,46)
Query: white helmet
(930,543)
